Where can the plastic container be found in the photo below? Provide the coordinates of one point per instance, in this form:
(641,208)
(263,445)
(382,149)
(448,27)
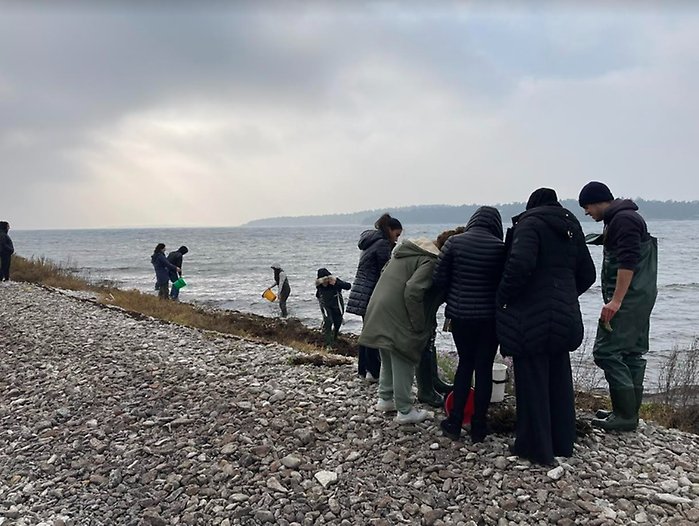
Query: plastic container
(499,382)
(269,295)
(468,410)
(179,283)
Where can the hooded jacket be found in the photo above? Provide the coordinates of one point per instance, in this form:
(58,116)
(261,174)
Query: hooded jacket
(162,267)
(330,296)
(6,246)
(401,315)
(175,257)
(470,267)
(376,251)
(624,231)
(547,268)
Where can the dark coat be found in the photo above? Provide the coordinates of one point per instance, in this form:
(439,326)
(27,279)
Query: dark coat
(162,267)
(470,267)
(376,251)
(175,258)
(330,296)
(547,268)
(6,246)
(624,232)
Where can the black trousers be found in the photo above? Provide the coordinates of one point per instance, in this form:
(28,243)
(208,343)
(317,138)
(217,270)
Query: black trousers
(5,261)
(476,344)
(545,407)
(369,361)
(332,321)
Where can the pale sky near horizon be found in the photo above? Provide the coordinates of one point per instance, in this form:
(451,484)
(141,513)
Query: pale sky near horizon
(217,114)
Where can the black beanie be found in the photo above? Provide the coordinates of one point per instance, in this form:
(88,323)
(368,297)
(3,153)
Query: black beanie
(322,272)
(594,192)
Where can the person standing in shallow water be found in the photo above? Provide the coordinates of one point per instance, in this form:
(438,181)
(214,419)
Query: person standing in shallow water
(539,323)
(6,251)
(163,268)
(629,290)
(284,289)
(376,246)
(175,257)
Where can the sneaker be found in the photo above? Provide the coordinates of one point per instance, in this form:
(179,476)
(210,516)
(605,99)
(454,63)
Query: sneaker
(386,406)
(412,417)
(371,378)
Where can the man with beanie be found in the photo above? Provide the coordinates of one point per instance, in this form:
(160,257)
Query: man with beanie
(175,258)
(629,289)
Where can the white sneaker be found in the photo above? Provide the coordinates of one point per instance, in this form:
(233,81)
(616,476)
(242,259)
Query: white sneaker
(385,405)
(412,417)
(371,378)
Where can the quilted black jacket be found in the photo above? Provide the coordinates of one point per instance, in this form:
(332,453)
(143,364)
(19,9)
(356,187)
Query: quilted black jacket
(470,267)
(376,251)
(548,267)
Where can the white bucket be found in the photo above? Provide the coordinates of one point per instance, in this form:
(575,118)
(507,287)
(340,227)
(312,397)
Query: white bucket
(499,382)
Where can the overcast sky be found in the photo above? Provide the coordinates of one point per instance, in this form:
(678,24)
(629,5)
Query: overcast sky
(216,115)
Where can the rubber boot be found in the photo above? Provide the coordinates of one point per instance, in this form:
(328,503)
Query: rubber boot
(624,414)
(438,384)
(637,376)
(425,384)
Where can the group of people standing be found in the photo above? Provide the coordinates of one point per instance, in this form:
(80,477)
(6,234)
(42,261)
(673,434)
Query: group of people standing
(519,293)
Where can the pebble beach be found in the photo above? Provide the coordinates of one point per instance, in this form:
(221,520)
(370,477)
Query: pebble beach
(111,419)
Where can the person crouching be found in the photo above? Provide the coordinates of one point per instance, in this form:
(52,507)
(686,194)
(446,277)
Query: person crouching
(399,321)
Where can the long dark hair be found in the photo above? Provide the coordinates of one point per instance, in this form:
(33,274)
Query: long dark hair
(159,247)
(4,226)
(385,223)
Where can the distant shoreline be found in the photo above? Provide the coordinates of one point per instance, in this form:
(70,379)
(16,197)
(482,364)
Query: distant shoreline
(459,214)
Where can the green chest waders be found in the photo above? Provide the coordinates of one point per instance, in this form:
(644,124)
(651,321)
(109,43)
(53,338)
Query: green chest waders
(619,351)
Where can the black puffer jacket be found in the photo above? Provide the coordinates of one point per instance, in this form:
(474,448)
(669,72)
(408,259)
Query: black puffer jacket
(547,268)
(376,251)
(470,267)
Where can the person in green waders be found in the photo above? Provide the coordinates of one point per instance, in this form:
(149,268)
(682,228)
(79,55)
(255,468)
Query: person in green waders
(629,289)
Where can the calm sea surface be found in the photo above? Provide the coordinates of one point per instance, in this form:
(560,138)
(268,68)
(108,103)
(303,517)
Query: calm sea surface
(229,268)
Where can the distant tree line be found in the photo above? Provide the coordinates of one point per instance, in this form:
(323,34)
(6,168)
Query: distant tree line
(459,214)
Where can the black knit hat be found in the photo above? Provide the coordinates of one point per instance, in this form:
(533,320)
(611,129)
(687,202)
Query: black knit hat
(322,272)
(594,192)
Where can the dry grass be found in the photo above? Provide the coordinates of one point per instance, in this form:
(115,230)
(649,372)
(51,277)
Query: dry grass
(45,272)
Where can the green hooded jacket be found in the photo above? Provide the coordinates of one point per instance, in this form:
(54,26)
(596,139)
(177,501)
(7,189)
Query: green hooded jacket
(401,315)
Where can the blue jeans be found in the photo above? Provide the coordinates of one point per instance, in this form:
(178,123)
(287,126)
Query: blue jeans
(174,292)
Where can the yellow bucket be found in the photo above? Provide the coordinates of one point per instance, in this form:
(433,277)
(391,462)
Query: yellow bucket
(269,295)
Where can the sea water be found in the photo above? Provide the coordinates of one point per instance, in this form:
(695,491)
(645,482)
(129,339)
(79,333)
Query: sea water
(230,268)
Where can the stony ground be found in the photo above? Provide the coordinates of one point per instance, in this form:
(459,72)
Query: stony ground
(105,419)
